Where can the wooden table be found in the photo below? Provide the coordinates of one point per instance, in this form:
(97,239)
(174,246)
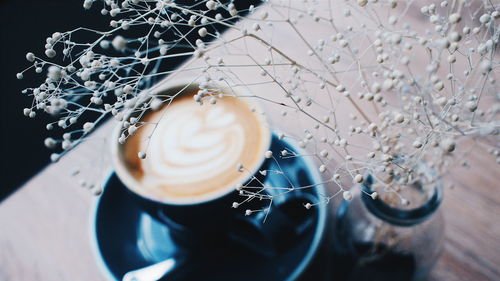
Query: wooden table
(45,225)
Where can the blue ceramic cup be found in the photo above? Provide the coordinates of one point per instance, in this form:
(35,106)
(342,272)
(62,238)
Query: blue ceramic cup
(206,239)
(212,219)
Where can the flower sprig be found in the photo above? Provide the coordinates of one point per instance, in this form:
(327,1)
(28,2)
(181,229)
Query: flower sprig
(370,93)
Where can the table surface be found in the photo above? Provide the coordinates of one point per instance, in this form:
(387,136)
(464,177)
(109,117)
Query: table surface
(45,225)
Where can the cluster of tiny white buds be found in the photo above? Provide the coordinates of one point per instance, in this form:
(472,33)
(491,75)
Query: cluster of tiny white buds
(408,108)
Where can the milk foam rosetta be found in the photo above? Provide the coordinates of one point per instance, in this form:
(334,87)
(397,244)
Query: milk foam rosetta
(194,150)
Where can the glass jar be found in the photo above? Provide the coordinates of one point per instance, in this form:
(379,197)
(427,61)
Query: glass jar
(378,239)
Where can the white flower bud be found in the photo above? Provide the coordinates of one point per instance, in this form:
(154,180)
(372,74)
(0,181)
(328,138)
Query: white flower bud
(322,168)
(54,157)
(485,66)
(323,153)
(268,154)
(448,145)
(96,191)
(485,18)
(87,4)
(88,126)
(439,86)
(362,3)
(399,118)
(372,127)
(30,57)
(454,18)
(396,39)
(347,195)
(127,89)
(212,5)
(417,144)
(114,12)
(441,101)
(50,53)
(202,32)
(240,168)
(131,130)
(454,36)
(119,43)
(50,143)
(358,178)
(471,106)
(66,144)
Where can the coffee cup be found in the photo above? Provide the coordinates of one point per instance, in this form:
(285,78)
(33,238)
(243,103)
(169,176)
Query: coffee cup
(193,159)
(184,179)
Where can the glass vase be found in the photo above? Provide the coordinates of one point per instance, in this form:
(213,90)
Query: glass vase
(398,236)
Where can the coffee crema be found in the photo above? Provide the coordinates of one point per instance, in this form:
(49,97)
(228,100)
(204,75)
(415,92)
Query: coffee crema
(193,151)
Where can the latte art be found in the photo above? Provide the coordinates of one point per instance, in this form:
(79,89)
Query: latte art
(194,150)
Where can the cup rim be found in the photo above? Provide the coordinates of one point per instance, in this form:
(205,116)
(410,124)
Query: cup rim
(135,187)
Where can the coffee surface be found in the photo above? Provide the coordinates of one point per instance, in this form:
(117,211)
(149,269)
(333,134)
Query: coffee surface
(193,150)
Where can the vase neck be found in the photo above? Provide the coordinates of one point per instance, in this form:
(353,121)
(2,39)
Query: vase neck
(399,216)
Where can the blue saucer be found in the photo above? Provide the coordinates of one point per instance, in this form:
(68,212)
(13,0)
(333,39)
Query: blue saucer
(125,238)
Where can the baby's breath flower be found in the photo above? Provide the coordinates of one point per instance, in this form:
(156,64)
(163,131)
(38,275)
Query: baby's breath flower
(419,92)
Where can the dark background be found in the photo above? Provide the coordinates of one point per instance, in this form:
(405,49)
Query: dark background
(24,26)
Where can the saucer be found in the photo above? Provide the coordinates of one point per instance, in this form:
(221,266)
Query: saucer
(125,238)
